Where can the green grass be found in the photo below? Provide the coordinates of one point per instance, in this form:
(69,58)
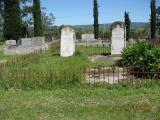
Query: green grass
(36,97)
(92,103)
(94,50)
(46,71)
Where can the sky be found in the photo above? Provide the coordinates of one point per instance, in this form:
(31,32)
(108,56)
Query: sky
(80,12)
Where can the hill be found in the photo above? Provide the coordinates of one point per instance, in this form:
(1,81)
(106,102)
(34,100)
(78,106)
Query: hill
(134,25)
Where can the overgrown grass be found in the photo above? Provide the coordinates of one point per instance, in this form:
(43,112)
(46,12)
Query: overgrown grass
(34,96)
(89,103)
(45,71)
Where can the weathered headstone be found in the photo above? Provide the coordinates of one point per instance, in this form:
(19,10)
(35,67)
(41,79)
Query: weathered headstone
(38,41)
(53,39)
(118,40)
(68,39)
(10,42)
(132,41)
(26,42)
(88,37)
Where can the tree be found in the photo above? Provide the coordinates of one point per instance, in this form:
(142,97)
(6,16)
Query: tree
(25,10)
(27,17)
(12,19)
(127,24)
(153,19)
(1,14)
(96,23)
(1,7)
(158,19)
(47,19)
(38,30)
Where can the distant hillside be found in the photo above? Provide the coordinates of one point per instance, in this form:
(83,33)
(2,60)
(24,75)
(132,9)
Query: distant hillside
(134,25)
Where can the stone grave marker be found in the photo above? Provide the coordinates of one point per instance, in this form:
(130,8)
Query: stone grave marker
(10,42)
(118,40)
(38,41)
(88,37)
(68,39)
(26,42)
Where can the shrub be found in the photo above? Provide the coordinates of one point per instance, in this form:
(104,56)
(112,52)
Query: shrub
(141,54)
(2,42)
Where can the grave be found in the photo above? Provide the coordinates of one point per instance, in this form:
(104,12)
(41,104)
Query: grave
(26,42)
(28,45)
(68,39)
(38,41)
(118,40)
(10,43)
(88,37)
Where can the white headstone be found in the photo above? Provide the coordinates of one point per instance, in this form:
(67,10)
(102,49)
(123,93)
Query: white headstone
(88,37)
(68,39)
(53,39)
(10,42)
(38,41)
(118,40)
(26,42)
(131,41)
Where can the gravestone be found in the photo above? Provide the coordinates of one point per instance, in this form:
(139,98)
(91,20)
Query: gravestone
(53,39)
(10,43)
(68,39)
(38,41)
(132,41)
(26,42)
(88,37)
(118,40)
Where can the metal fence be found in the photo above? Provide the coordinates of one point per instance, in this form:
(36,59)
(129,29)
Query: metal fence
(107,75)
(116,75)
(95,49)
(88,49)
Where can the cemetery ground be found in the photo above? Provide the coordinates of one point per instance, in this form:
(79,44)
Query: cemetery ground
(41,98)
(82,103)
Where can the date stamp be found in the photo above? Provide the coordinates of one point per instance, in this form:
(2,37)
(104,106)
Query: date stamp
(143,107)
